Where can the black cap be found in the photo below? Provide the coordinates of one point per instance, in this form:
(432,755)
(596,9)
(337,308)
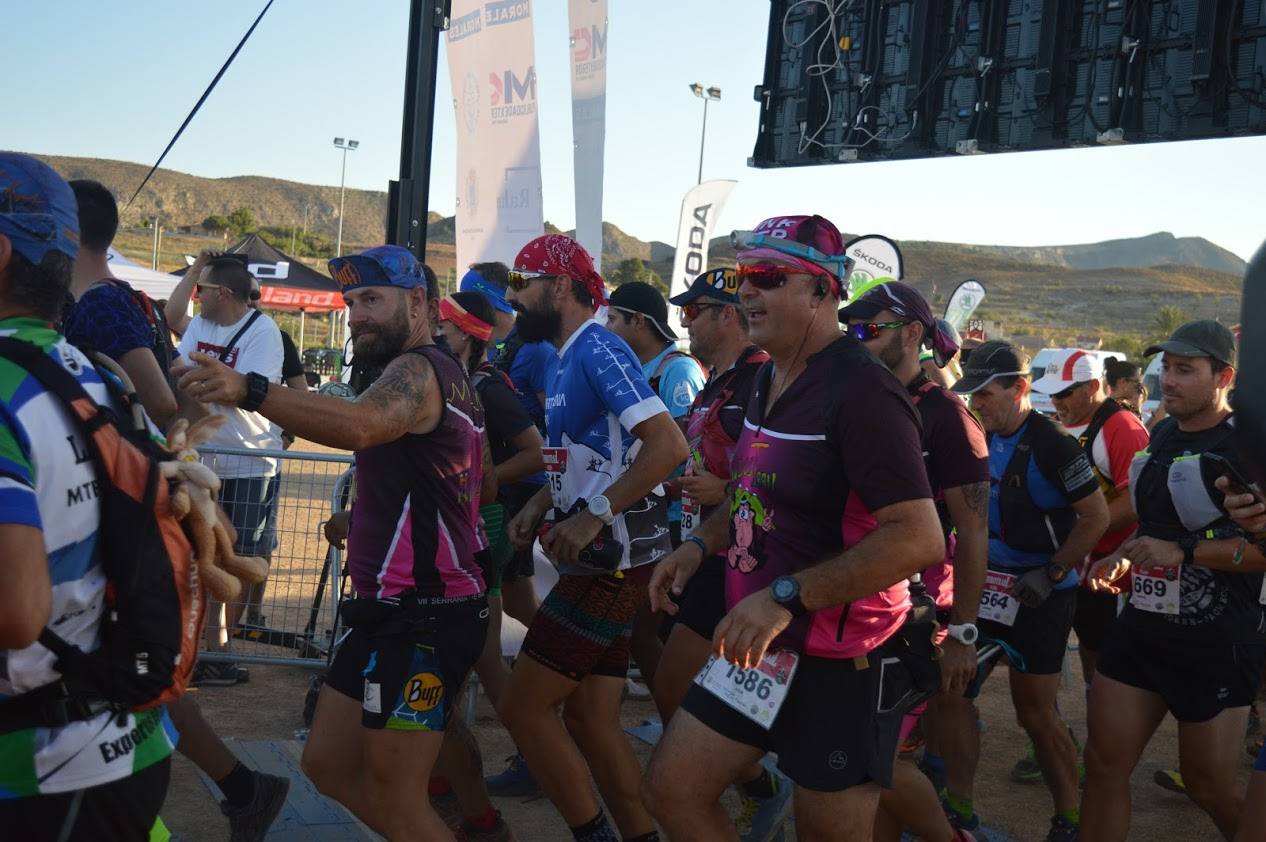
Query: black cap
(1203,338)
(721,284)
(902,299)
(990,361)
(641,297)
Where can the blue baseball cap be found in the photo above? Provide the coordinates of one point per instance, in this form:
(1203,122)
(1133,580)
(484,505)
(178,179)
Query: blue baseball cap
(380,266)
(472,281)
(38,212)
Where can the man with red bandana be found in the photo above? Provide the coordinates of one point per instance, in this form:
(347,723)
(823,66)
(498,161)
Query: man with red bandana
(830,497)
(610,443)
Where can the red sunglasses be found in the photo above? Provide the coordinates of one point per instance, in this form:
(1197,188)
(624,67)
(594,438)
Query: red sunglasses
(762,277)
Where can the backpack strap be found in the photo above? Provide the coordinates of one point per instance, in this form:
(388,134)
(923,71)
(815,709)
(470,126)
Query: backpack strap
(1101,416)
(228,349)
(663,364)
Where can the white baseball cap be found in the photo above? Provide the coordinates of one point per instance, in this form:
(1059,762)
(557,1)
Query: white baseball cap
(1068,369)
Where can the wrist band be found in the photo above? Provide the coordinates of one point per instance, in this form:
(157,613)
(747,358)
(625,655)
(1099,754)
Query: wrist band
(697,541)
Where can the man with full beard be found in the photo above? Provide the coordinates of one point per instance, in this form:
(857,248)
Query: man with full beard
(610,443)
(420,613)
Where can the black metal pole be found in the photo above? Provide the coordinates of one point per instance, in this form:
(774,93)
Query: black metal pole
(408,198)
(1250,387)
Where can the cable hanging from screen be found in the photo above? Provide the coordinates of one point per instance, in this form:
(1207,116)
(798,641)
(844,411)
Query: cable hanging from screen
(198,104)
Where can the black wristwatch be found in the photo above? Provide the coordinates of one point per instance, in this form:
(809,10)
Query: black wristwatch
(1056,573)
(256,391)
(1187,544)
(786,592)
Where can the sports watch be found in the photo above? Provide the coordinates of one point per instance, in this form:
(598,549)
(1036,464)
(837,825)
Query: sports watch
(965,633)
(600,507)
(786,592)
(256,391)
(1056,573)
(1187,544)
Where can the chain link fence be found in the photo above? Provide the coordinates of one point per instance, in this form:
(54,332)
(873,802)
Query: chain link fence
(291,617)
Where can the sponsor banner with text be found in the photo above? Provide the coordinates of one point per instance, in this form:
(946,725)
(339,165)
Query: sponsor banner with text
(700,210)
(587,20)
(492,64)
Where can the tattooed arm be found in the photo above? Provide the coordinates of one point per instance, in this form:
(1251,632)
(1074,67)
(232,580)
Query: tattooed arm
(969,512)
(403,400)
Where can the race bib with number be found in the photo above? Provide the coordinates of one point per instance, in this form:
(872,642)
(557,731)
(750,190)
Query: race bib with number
(1157,589)
(690,511)
(756,693)
(997,603)
(555,469)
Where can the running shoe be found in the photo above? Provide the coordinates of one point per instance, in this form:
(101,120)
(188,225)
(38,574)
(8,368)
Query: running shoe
(1062,830)
(250,823)
(958,821)
(762,819)
(500,832)
(1171,780)
(215,674)
(636,690)
(516,781)
(449,809)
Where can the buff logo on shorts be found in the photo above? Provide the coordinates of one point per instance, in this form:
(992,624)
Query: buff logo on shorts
(424,692)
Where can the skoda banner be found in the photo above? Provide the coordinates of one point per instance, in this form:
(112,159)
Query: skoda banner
(492,64)
(876,260)
(699,213)
(588,22)
(963,303)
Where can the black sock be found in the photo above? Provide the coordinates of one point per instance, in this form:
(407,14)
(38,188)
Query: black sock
(653,836)
(598,829)
(238,786)
(762,787)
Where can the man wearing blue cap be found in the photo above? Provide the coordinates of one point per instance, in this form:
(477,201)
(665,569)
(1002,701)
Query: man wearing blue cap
(420,612)
(70,768)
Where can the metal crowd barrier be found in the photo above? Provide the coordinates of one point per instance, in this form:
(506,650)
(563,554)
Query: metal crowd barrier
(293,621)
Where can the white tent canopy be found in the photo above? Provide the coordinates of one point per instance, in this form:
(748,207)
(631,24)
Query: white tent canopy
(157,285)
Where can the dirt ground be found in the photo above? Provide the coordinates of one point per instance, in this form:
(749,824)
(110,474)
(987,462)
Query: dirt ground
(270,706)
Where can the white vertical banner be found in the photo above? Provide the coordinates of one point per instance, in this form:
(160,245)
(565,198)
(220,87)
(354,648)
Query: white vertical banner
(700,210)
(492,64)
(587,20)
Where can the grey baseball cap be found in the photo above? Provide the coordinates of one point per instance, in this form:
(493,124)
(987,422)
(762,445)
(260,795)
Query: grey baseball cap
(1203,338)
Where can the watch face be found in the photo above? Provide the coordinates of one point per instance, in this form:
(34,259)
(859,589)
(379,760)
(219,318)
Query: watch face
(784,589)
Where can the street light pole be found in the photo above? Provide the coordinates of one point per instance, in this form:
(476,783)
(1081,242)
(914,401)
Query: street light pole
(346,146)
(704,94)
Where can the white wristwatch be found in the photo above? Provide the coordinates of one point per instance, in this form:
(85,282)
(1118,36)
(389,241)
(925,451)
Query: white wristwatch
(600,507)
(965,633)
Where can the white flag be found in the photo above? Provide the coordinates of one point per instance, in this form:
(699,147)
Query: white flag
(588,22)
(963,303)
(699,213)
(492,64)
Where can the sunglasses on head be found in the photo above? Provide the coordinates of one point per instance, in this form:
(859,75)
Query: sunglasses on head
(519,279)
(693,310)
(862,331)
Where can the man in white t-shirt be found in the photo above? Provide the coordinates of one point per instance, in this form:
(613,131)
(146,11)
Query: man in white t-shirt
(246,340)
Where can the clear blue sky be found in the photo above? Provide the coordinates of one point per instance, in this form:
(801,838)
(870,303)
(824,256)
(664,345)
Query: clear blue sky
(114,80)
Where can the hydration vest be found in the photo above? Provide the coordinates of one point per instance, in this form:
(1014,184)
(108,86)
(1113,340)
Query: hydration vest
(1188,481)
(1087,438)
(653,380)
(1025,527)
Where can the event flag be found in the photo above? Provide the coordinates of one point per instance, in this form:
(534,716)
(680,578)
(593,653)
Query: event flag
(492,64)
(588,22)
(700,210)
(963,303)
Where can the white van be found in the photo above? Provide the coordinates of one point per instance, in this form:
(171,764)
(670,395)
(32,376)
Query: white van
(1151,381)
(1042,403)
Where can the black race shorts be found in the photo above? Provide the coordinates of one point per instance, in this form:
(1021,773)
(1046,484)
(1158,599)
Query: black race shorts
(702,602)
(1039,635)
(828,735)
(1095,615)
(407,678)
(1197,680)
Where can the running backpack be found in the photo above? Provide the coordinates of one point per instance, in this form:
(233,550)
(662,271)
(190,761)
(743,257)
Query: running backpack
(154,601)
(156,319)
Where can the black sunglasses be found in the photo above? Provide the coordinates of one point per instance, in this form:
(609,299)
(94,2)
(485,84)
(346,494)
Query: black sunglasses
(863,331)
(1067,393)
